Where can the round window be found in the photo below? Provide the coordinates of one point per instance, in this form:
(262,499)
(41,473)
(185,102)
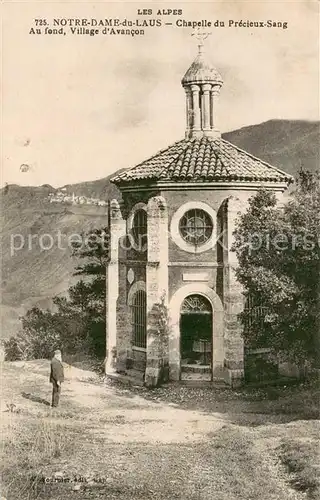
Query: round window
(196,227)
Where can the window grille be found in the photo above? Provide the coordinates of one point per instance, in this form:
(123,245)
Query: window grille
(196,227)
(194,304)
(139,319)
(255,313)
(140,227)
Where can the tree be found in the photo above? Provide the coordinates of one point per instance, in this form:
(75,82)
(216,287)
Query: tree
(278,254)
(94,249)
(90,296)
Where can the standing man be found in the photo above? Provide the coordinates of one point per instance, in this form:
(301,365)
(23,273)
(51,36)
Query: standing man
(56,377)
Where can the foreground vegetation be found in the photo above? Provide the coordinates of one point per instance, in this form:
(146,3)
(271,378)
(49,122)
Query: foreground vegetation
(279,256)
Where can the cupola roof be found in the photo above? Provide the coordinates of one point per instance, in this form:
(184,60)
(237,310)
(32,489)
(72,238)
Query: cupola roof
(202,71)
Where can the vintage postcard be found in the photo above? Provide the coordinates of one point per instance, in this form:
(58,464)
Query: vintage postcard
(160,214)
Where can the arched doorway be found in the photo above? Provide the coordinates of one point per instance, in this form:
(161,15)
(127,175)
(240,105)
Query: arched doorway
(196,331)
(217,331)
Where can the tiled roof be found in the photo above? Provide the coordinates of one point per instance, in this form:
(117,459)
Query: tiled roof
(202,159)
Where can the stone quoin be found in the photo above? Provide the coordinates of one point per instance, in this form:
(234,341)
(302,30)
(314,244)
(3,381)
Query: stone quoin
(171,240)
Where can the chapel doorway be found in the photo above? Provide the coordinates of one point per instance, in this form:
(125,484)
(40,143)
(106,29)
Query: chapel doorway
(196,331)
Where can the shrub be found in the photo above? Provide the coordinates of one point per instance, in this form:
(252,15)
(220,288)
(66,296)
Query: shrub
(43,332)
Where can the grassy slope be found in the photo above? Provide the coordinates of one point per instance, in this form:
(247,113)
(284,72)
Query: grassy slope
(34,277)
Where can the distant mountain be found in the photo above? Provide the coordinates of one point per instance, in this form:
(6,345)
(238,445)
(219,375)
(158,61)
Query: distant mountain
(101,188)
(285,144)
(32,276)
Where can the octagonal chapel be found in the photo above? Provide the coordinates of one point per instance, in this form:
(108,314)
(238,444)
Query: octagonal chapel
(171,240)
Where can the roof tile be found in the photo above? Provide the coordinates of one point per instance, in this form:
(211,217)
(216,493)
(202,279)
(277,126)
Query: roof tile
(202,159)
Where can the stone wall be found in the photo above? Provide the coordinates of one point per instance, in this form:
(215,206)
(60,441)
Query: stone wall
(233,296)
(167,271)
(113,283)
(157,284)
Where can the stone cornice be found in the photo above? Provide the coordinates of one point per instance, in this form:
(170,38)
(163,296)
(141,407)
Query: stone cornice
(186,264)
(207,186)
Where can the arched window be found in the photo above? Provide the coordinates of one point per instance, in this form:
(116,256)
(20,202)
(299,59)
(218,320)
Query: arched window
(139,319)
(140,228)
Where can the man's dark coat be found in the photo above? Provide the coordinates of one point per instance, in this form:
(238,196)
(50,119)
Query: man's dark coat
(57,373)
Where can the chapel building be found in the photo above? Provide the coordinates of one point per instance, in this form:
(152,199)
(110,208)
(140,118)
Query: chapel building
(171,240)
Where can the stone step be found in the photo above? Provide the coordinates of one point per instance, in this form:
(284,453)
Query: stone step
(127,379)
(136,373)
(201,369)
(196,376)
(203,382)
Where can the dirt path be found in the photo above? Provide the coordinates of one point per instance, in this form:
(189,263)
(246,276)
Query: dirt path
(136,419)
(145,447)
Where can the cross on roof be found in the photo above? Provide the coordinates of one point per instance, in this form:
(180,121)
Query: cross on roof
(201,36)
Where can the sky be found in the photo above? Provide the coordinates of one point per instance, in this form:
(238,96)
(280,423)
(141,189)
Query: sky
(78,108)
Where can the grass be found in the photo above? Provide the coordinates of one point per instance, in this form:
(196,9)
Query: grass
(301,459)
(28,447)
(300,399)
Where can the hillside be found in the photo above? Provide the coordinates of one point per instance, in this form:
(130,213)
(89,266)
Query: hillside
(286,144)
(37,267)
(31,275)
